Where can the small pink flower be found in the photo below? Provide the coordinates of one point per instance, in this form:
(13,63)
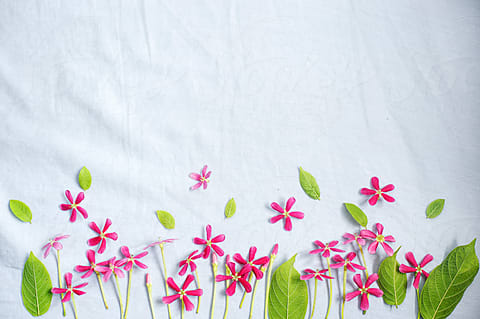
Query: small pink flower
(364,291)
(160,243)
(103,235)
(235,277)
(210,243)
(325,249)
(188,262)
(252,262)
(378,192)
(183,293)
(202,179)
(354,237)
(347,262)
(274,251)
(74,205)
(417,269)
(113,267)
(318,274)
(55,243)
(69,290)
(378,239)
(93,267)
(130,259)
(148,280)
(285,213)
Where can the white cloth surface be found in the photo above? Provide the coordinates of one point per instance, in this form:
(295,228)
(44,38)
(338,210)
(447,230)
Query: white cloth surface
(145,92)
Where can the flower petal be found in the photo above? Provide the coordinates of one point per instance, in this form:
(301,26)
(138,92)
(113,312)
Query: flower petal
(375,291)
(108,223)
(288,223)
(306,277)
(428,258)
(373,200)
(416,281)
(218,239)
(375,183)
(406,269)
(388,188)
(199,241)
(125,251)
(220,278)
(73,216)
(246,285)
(171,283)
(69,196)
(169,299)
(83,212)
(379,228)
(195,292)
(65,207)
(251,253)
(112,236)
(187,281)
(275,219)
(204,170)
(368,234)
(387,249)
(58,290)
(367,191)
(290,203)
(140,264)
(208,230)
(47,250)
(411,259)
(231,289)
(68,279)
(352,295)
(218,250)
(372,249)
(103,246)
(239,259)
(388,198)
(298,215)
(79,198)
(358,281)
(94,241)
(364,302)
(94,227)
(277,207)
(91,256)
(371,279)
(67,296)
(195,176)
(196,186)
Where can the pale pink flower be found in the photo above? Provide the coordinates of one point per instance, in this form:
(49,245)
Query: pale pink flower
(364,291)
(253,262)
(354,237)
(378,192)
(69,289)
(130,259)
(183,293)
(274,251)
(317,274)
(55,243)
(93,267)
(285,213)
(201,178)
(160,243)
(325,249)
(188,262)
(417,268)
(112,267)
(103,235)
(235,277)
(210,243)
(378,239)
(347,262)
(148,280)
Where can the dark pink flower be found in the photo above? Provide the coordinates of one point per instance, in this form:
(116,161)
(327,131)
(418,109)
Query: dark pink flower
(103,235)
(378,192)
(55,243)
(354,237)
(417,269)
(285,213)
(93,267)
(183,293)
(74,205)
(188,262)
(112,267)
(325,249)
(252,262)
(210,243)
(364,291)
(129,259)
(318,274)
(378,239)
(202,179)
(235,277)
(347,262)
(69,289)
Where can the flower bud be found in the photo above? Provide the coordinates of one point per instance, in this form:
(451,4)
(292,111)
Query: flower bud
(275,250)
(148,280)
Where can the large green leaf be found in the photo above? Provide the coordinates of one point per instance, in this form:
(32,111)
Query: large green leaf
(392,281)
(357,214)
(21,210)
(309,184)
(36,286)
(447,283)
(288,297)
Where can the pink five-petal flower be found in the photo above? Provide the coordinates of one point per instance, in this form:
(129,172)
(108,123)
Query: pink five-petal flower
(55,243)
(354,237)
(103,235)
(93,267)
(317,274)
(130,259)
(253,262)
(74,205)
(417,268)
(210,243)
(364,291)
(378,238)
(378,192)
(203,179)
(347,262)
(235,277)
(160,242)
(112,267)
(325,249)
(188,262)
(182,293)
(285,213)
(69,289)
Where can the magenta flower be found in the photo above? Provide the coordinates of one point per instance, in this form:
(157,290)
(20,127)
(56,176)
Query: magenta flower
(55,243)
(417,269)
(347,262)
(74,205)
(325,249)
(69,290)
(235,277)
(103,235)
(112,267)
(378,192)
(378,239)
(210,243)
(286,213)
(354,237)
(130,259)
(160,243)
(188,262)
(318,274)
(364,291)
(93,267)
(202,179)
(252,262)
(183,293)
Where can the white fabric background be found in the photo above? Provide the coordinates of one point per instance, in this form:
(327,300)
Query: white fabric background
(145,92)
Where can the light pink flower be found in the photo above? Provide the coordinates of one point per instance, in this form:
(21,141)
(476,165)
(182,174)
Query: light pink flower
(364,291)
(74,205)
(286,213)
(318,274)
(130,259)
(160,243)
(112,267)
(93,267)
(183,293)
(202,179)
(347,262)
(69,289)
(252,262)
(210,243)
(188,262)
(378,192)
(417,269)
(378,239)
(274,251)
(326,248)
(55,243)
(354,237)
(148,280)
(103,235)
(235,277)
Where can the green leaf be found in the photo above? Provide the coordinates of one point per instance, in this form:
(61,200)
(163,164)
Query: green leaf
(230,208)
(392,281)
(166,219)
(447,283)
(36,286)
(309,184)
(288,297)
(85,178)
(435,208)
(21,210)
(357,214)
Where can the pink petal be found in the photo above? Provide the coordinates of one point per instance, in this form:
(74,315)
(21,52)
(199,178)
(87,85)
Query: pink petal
(193,266)
(326,253)
(83,212)
(387,249)
(275,219)
(290,203)
(188,304)
(406,269)
(73,216)
(389,239)
(428,258)
(183,269)
(364,302)
(261,261)
(371,279)
(112,236)
(306,277)
(220,278)
(108,223)
(119,272)
(337,250)
(206,252)
(231,289)
(91,256)
(239,259)
(107,274)
(231,266)
(79,198)
(316,251)
(196,186)
(68,279)
(367,191)
(411,259)
(245,270)
(125,251)
(205,184)
(67,296)
(416,281)
(188,281)
(204,170)
(298,215)
(128,266)
(199,241)
(65,207)
(88,273)
(69,196)
(196,292)
(218,239)
(81,285)
(251,253)
(140,264)
(349,267)
(361,241)
(375,183)
(208,174)
(208,229)
(372,249)
(195,176)
(277,207)
(352,295)
(375,291)
(79,292)
(59,290)
(379,228)
(218,250)
(388,198)
(102,246)
(319,243)
(170,299)
(388,188)
(245,284)
(373,200)
(94,227)
(171,283)
(81,268)
(426,274)
(288,223)
(338,259)
(94,241)
(141,255)
(368,234)
(351,256)
(258,274)
(47,250)
(339,265)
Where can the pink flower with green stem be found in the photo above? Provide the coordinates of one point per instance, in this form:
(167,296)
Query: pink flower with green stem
(203,179)
(189,262)
(214,293)
(285,213)
(378,238)
(102,235)
(364,290)
(93,268)
(378,192)
(317,275)
(273,256)
(70,291)
(356,237)
(113,266)
(73,206)
(130,261)
(182,293)
(148,283)
(227,283)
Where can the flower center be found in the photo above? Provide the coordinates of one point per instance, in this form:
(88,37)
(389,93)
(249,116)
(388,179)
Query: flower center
(73,206)
(102,235)
(285,213)
(380,238)
(235,277)
(203,179)
(419,270)
(209,243)
(363,290)
(181,293)
(379,192)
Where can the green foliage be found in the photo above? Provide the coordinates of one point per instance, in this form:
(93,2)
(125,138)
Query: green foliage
(309,184)
(21,210)
(36,287)
(392,281)
(166,219)
(435,208)
(357,214)
(230,208)
(85,178)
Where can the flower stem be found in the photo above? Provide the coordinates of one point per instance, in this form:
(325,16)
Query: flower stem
(165,278)
(269,276)
(314,298)
(183,308)
(330,286)
(253,298)
(344,287)
(214,270)
(74,306)
(363,258)
(101,289)
(60,280)
(245,293)
(418,302)
(128,292)
(227,283)
(119,295)
(151,301)
(198,286)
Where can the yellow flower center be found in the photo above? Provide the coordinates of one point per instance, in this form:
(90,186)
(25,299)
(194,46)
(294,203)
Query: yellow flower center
(380,238)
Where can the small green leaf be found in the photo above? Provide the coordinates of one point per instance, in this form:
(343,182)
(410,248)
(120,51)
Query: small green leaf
(357,214)
(288,297)
(435,208)
(166,219)
(21,210)
(392,281)
(230,208)
(36,286)
(309,184)
(85,178)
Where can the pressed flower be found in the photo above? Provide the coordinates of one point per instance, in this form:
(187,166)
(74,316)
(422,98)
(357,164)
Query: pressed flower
(236,277)
(73,206)
(285,213)
(364,291)
(113,267)
(103,235)
(210,243)
(203,178)
(416,268)
(378,238)
(354,237)
(254,263)
(273,256)
(69,291)
(89,270)
(347,262)
(184,264)
(148,283)
(318,275)
(227,283)
(130,260)
(325,249)
(378,192)
(182,293)
(160,243)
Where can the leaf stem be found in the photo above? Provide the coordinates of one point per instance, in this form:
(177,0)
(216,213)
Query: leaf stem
(60,280)
(314,298)
(344,287)
(128,292)
(74,306)
(268,279)
(165,279)
(418,302)
(363,258)
(101,289)
(253,298)
(330,287)
(214,270)
(119,295)
(245,293)
(198,286)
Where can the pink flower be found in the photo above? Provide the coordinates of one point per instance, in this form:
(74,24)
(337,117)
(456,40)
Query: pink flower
(417,269)
(148,280)
(364,291)
(74,205)
(202,179)
(325,249)
(378,192)
(182,293)
(354,237)
(130,259)
(253,263)
(285,213)
(69,290)
(93,267)
(210,243)
(347,262)
(160,243)
(235,277)
(113,266)
(188,262)
(274,251)
(55,243)
(103,235)
(378,239)
(318,274)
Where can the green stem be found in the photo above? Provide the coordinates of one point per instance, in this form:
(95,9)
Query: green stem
(363,258)
(165,278)
(253,298)
(314,298)
(119,295)
(214,270)
(128,292)
(245,293)
(227,283)
(269,276)
(183,308)
(74,306)
(60,280)
(344,287)
(331,288)
(198,286)
(151,301)
(418,302)
(101,289)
